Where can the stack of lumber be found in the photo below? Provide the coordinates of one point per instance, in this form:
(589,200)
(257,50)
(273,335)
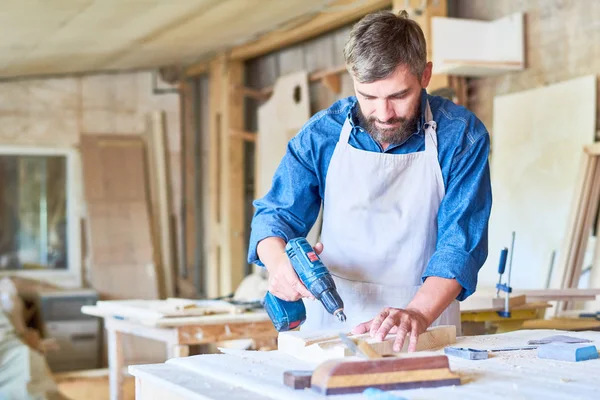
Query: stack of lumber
(128,247)
(583,213)
(162,312)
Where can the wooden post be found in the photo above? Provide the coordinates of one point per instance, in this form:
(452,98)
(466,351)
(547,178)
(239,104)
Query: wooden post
(188,227)
(213,230)
(438,8)
(115,364)
(227,251)
(233,236)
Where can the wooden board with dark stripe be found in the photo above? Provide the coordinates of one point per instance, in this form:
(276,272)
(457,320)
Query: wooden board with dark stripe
(342,377)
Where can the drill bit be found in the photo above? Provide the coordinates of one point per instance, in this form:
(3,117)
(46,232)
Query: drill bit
(340,315)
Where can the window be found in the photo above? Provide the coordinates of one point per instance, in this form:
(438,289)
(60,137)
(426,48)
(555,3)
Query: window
(34,217)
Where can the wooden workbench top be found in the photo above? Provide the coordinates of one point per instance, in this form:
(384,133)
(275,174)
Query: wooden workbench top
(517,374)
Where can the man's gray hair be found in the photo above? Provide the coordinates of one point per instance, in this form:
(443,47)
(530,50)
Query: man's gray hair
(382,41)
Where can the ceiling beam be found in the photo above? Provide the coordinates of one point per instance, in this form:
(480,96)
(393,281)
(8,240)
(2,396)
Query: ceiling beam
(338,14)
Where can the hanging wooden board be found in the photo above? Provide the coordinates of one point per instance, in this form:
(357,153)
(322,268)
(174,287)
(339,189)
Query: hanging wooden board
(123,263)
(279,120)
(537,142)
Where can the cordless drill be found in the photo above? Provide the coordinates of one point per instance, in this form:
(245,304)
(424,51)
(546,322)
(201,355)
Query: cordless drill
(312,272)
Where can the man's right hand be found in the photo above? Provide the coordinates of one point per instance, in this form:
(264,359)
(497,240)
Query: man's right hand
(284,283)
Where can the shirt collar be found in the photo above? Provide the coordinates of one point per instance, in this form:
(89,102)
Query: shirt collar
(352,114)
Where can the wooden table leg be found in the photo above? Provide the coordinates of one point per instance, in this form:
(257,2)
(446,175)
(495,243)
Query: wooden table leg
(115,364)
(177,350)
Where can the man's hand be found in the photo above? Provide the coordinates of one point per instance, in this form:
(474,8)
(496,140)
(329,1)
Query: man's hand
(399,321)
(284,283)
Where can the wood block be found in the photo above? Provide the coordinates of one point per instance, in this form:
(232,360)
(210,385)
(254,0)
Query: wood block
(326,345)
(297,379)
(568,351)
(486,303)
(341,377)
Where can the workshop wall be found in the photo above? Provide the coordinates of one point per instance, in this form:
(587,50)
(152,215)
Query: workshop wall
(55,112)
(561,43)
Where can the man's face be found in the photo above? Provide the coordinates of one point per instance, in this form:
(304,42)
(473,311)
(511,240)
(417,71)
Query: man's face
(389,108)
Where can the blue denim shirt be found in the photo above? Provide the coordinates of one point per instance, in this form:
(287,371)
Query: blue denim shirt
(292,205)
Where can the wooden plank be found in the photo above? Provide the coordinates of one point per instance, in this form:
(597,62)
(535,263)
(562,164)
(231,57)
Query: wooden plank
(594,281)
(118,208)
(342,377)
(566,324)
(247,136)
(324,346)
(349,11)
(188,231)
(160,193)
(279,120)
(213,229)
(485,303)
(233,246)
(224,332)
(155,309)
(533,205)
(553,294)
(573,233)
(591,211)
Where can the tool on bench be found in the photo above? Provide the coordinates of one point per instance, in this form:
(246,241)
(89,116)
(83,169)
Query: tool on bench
(287,315)
(359,347)
(482,354)
(505,287)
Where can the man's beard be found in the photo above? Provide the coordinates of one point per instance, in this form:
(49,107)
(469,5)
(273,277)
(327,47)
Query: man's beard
(391,136)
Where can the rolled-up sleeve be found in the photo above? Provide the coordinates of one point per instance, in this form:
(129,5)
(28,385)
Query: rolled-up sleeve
(291,206)
(462,241)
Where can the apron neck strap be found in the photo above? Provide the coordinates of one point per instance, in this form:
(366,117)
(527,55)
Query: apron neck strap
(346,130)
(430,131)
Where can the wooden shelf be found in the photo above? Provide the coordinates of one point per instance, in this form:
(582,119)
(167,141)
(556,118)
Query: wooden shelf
(477,48)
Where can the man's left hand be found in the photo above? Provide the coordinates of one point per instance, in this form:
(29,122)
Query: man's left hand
(399,321)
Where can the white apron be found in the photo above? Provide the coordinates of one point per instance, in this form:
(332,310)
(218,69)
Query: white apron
(379,229)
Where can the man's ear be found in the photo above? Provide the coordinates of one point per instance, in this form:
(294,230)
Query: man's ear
(426,77)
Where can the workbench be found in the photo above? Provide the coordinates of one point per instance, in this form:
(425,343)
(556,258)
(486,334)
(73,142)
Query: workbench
(257,375)
(178,334)
(483,320)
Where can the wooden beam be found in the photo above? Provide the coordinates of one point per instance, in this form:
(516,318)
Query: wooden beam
(438,8)
(324,75)
(247,136)
(333,83)
(257,94)
(197,69)
(188,231)
(227,255)
(213,229)
(347,11)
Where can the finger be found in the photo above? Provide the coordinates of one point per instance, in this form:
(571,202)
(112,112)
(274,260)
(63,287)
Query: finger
(280,295)
(401,335)
(318,248)
(376,322)
(385,327)
(414,336)
(361,328)
(394,329)
(303,291)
